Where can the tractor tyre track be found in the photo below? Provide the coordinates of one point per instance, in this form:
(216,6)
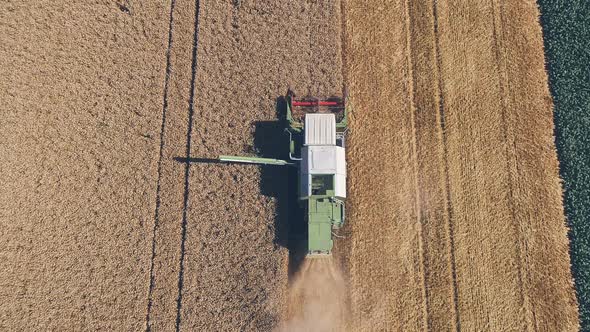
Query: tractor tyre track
(189,132)
(159,176)
(445,156)
(433,174)
(510,155)
(168,249)
(414,156)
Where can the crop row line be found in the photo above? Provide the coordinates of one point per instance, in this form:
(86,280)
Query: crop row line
(510,143)
(447,186)
(414,149)
(161,155)
(191,112)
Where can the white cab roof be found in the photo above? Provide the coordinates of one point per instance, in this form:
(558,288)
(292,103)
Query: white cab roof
(320,129)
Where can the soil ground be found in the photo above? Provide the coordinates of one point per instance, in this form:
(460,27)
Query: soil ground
(114,216)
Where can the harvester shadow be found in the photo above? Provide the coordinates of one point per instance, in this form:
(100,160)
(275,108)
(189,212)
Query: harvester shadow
(279,182)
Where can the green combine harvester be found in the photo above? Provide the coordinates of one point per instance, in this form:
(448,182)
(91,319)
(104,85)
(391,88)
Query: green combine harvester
(317,134)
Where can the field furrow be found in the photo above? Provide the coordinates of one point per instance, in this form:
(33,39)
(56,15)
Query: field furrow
(163,296)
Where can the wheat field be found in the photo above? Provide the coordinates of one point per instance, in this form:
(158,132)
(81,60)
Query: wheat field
(114,216)
(459,92)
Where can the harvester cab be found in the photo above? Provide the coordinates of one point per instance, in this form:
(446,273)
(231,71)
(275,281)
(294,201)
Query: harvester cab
(317,138)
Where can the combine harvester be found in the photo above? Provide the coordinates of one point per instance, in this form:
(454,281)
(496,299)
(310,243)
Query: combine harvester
(317,134)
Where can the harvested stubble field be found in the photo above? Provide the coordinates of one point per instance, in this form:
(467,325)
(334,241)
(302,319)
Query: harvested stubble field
(113,218)
(80,104)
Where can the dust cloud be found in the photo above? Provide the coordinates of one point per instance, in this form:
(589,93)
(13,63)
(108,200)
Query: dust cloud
(317,298)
